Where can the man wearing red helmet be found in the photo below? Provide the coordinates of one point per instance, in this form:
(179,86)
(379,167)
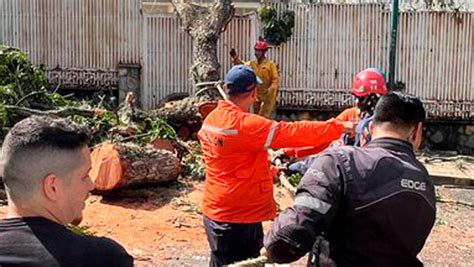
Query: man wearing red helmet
(367,87)
(267,71)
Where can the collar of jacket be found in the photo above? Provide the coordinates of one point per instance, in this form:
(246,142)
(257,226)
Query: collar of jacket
(228,105)
(392,144)
(263,61)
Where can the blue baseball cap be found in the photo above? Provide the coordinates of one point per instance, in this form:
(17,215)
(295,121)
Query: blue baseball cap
(241,79)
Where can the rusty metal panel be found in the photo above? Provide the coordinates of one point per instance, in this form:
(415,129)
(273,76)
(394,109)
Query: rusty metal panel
(167,54)
(83,34)
(436,61)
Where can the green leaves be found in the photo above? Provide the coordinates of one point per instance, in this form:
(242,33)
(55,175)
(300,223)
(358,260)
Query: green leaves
(160,128)
(23,84)
(295,179)
(277,28)
(18,73)
(82,230)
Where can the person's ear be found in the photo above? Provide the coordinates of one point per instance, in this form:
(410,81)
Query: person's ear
(417,137)
(254,93)
(51,187)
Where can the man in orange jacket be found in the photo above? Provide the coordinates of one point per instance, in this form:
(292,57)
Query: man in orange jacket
(238,192)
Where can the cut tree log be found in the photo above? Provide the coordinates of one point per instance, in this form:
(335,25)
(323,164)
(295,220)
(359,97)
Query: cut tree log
(121,165)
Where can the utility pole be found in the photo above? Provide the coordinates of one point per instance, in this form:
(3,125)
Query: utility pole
(393,44)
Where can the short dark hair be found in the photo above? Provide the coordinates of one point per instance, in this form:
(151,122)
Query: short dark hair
(45,131)
(400,109)
(36,146)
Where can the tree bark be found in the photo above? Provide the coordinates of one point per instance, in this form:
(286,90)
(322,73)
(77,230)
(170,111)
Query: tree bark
(186,115)
(205,25)
(121,165)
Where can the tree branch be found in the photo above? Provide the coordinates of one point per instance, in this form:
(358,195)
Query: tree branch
(63,112)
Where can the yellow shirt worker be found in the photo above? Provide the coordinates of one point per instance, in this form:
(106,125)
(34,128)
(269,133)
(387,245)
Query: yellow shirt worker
(267,71)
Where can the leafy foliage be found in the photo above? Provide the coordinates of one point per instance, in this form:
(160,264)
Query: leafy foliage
(19,78)
(277,28)
(194,161)
(82,230)
(159,128)
(295,179)
(25,85)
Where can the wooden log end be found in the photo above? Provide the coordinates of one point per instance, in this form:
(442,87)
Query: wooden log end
(107,169)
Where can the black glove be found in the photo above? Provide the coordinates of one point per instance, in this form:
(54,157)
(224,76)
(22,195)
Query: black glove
(232,53)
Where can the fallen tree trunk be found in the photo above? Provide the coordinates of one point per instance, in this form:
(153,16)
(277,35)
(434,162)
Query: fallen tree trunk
(122,165)
(180,111)
(186,115)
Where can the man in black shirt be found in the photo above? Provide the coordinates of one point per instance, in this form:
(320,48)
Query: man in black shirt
(375,205)
(45,165)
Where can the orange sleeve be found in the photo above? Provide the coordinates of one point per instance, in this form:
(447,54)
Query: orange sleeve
(306,151)
(290,152)
(256,129)
(304,133)
(263,133)
(350,114)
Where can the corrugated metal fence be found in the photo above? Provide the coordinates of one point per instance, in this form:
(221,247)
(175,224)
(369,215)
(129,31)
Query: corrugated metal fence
(330,44)
(74,33)
(436,61)
(75,40)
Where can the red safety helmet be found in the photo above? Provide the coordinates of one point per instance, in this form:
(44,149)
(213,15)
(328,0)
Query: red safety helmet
(368,82)
(261,45)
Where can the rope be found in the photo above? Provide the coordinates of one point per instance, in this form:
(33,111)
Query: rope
(256,262)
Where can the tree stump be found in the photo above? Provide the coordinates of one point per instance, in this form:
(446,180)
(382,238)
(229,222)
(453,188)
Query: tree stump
(204,23)
(121,165)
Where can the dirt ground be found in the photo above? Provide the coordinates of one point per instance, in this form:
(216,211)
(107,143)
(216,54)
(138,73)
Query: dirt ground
(162,226)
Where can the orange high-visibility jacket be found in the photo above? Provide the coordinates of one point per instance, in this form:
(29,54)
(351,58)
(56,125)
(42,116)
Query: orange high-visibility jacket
(350,114)
(239,186)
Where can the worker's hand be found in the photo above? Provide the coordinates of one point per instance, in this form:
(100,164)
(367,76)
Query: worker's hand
(349,127)
(232,53)
(279,156)
(275,172)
